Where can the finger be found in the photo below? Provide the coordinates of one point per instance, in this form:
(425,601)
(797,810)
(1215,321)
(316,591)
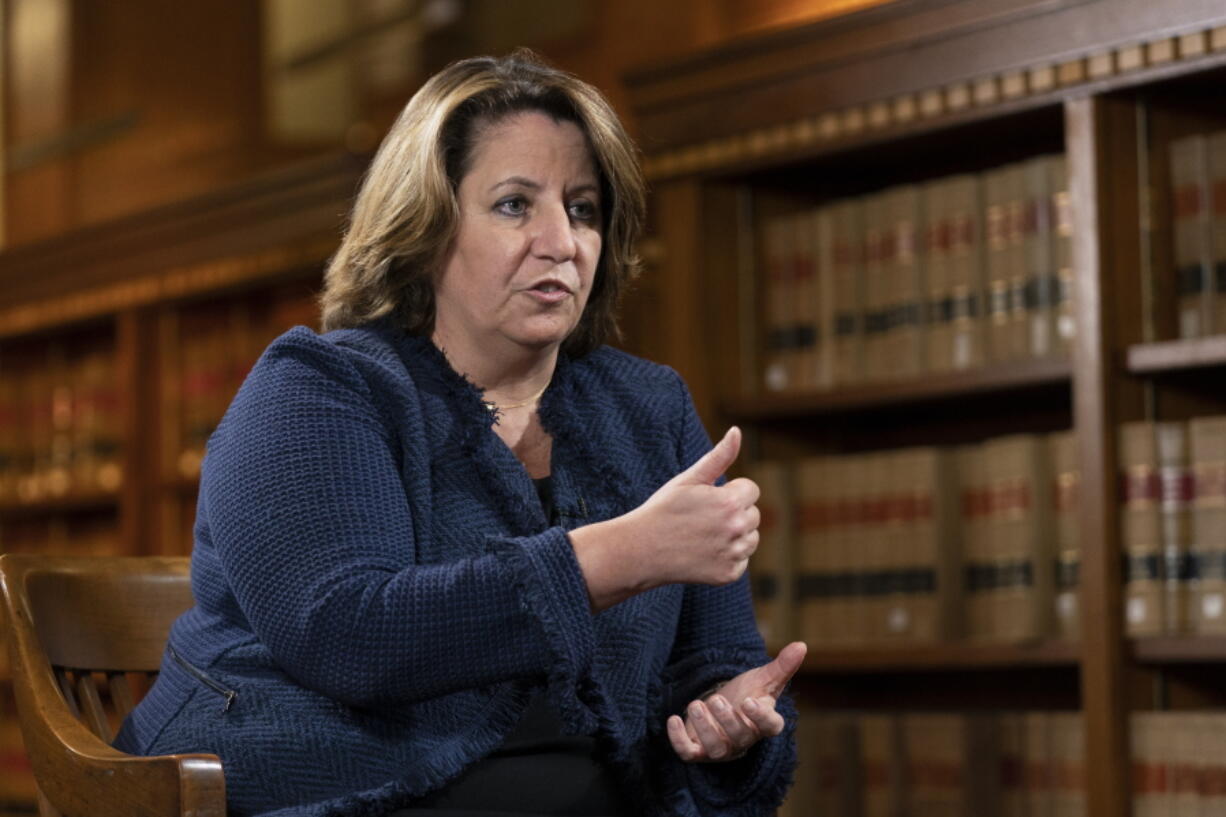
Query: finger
(715,462)
(685,746)
(750,542)
(761,713)
(716,745)
(745,490)
(740,730)
(785,665)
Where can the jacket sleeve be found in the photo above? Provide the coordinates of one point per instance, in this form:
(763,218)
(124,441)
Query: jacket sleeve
(309,518)
(716,640)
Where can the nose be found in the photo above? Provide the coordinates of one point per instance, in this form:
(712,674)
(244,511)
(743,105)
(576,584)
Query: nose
(555,237)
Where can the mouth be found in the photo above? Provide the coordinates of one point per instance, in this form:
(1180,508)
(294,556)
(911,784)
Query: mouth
(551,287)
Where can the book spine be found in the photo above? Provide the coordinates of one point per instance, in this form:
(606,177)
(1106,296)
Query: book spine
(816,566)
(934,764)
(1014,780)
(805,326)
(57,481)
(1175,477)
(1185,767)
(1066,489)
(934,576)
(1211,743)
(824,298)
(1038,260)
(1189,178)
(1022,536)
(1062,249)
(771,567)
(977,564)
(846,552)
(997,259)
(877,295)
(881,765)
(876,487)
(1015,233)
(844,235)
(939,296)
(1215,149)
(1208,547)
(966,272)
(1036,737)
(814,770)
(908,324)
(982,753)
(1141,529)
(777,321)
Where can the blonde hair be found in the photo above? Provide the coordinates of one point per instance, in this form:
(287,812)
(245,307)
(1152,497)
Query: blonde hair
(406,213)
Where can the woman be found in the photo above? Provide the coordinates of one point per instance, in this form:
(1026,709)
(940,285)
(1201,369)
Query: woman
(455,556)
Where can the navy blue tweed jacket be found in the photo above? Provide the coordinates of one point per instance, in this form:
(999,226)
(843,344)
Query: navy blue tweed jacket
(378,593)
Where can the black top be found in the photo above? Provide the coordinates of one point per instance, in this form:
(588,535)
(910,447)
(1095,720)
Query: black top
(538,770)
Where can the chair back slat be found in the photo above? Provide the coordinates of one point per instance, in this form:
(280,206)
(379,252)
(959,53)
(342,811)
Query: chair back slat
(106,621)
(121,693)
(91,705)
(64,679)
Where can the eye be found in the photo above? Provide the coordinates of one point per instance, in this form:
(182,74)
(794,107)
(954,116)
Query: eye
(583,210)
(512,206)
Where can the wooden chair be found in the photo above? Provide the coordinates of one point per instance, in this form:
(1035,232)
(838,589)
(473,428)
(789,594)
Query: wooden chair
(85,634)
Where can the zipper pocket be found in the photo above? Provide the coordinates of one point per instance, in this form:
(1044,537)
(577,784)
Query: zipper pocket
(228,694)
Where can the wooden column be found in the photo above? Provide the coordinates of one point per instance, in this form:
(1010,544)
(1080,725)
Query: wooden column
(1101,145)
(136,375)
(683,330)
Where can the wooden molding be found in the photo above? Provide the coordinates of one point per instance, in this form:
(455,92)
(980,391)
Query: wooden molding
(812,83)
(275,225)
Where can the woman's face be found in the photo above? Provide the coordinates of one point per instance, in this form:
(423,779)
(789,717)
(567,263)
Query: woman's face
(521,267)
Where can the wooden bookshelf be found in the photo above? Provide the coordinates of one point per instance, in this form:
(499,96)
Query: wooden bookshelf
(84,503)
(1177,355)
(1004,378)
(1179,650)
(906,93)
(941,657)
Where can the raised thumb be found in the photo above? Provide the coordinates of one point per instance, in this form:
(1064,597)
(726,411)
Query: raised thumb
(716,461)
(785,665)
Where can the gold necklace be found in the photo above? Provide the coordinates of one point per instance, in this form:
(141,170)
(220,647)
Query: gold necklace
(492,406)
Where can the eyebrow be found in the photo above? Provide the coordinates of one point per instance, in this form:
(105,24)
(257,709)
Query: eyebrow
(521,181)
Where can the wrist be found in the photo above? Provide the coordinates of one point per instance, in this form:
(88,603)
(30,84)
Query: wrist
(611,572)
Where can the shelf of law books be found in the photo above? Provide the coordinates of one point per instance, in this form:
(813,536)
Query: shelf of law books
(61,442)
(1173,462)
(974,545)
(860,764)
(969,272)
(1183,140)
(213,345)
(909,401)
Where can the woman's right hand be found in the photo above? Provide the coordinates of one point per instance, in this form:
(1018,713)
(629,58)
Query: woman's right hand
(688,531)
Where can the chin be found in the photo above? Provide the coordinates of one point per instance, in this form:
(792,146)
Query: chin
(544,337)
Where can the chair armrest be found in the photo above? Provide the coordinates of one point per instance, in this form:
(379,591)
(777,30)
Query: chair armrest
(80,774)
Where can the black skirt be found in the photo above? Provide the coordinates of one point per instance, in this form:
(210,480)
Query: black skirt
(537,772)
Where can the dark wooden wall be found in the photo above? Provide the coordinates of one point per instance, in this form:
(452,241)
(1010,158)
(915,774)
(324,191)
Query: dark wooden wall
(163,101)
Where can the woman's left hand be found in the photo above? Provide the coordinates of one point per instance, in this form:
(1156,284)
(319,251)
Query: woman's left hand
(726,723)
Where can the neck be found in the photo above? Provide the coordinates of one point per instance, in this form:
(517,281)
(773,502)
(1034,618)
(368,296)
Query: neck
(506,376)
